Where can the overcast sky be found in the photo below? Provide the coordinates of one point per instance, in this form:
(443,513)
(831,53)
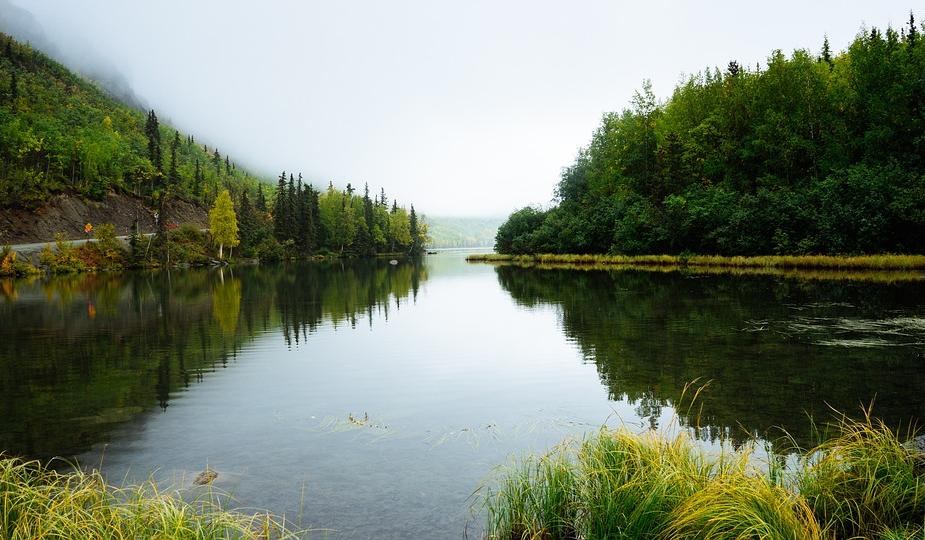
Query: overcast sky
(463,108)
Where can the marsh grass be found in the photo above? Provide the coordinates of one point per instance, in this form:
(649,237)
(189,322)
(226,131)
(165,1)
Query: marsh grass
(878,268)
(863,483)
(39,502)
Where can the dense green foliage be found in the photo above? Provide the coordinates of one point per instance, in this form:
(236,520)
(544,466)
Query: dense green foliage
(864,483)
(811,154)
(462,232)
(307,221)
(59,132)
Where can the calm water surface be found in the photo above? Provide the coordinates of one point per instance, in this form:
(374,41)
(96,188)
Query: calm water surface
(372,400)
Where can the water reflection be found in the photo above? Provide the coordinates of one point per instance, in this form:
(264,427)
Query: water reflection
(775,350)
(80,355)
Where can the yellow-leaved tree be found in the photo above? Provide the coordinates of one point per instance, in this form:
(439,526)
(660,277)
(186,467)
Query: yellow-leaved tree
(223,223)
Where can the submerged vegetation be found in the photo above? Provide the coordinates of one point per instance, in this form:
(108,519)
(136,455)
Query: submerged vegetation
(617,484)
(811,153)
(39,502)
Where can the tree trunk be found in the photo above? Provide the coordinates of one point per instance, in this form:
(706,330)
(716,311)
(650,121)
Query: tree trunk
(220,256)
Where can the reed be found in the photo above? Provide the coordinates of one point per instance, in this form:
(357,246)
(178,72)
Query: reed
(39,502)
(864,483)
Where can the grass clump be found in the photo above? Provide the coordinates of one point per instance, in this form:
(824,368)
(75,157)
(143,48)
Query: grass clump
(864,483)
(38,502)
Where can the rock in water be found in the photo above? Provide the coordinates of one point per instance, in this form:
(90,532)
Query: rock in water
(393,262)
(205,477)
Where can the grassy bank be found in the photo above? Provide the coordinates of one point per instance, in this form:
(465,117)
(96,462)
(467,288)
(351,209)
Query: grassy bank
(37,502)
(864,483)
(879,268)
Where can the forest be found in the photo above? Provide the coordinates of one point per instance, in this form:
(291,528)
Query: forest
(809,154)
(60,133)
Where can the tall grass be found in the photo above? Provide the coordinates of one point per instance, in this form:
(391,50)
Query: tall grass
(864,483)
(38,502)
(867,262)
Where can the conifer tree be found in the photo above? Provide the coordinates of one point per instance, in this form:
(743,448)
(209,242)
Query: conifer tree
(279,209)
(246,221)
(826,51)
(227,166)
(173,178)
(261,199)
(913,33)
(382,200)
(9,48)
(153,132)
(217,162)
(416,246)
(290,223)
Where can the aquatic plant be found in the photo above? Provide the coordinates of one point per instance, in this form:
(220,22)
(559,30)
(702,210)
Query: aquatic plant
(616,484)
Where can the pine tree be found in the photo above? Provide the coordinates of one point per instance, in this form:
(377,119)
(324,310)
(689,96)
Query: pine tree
(197,180)
(246,222)
(913,33)
(300,214)
(261,199)
(217,162)
(279,209)
(173,178)
(227,166)
(290,224)
(223,223)
(826,52)
(9,48)
(416,246)
(153,132)
(382,200)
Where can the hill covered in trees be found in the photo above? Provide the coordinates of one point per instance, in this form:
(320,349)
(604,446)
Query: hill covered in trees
(813,153)
(461,232)
(61,135)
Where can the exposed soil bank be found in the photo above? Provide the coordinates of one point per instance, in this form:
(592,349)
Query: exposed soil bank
(67,214)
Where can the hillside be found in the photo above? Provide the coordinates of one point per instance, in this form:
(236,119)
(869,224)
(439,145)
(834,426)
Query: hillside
(809,153)
(456,232)
(60,134)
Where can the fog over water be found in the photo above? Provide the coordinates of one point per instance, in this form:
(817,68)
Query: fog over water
(465,108)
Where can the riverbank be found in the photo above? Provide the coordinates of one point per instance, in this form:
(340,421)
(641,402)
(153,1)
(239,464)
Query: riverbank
(876,268)
(39,502)
(864,483)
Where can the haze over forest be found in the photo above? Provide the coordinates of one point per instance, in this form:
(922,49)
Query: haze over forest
(471,109)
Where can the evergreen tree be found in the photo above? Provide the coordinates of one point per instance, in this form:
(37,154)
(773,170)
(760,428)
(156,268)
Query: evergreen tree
(416,246)
(382,200)
(290,224)
(261,199)
(826,52)
(279,209)
(197,180)
(9,48)
(153,132)
(247,226)
(217,162)
(913,34)
(173,178)
(227,166)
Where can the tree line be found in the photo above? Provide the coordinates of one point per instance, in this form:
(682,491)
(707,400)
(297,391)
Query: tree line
(812,153)
(60,133)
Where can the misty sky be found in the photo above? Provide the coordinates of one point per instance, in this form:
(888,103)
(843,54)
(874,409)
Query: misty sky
(463,108)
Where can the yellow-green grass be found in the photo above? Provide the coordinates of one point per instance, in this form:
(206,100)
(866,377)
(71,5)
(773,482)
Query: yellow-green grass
(876,268)
(865,483)
(848,262)
(39,502)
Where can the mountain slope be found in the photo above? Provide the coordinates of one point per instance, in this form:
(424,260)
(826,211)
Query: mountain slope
(60,133)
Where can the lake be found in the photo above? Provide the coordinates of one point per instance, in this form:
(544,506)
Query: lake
(369,400)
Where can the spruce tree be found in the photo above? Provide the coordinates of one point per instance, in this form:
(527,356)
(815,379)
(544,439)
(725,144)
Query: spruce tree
(153,132)
(9,48)
(261,199)
(227,166)
(279,209)
(217,162)
(382,200)
(197,180)
(416,246)
(173,178)
(246,223)
(300,214)
(913,33)
(290,225)
(826,52)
